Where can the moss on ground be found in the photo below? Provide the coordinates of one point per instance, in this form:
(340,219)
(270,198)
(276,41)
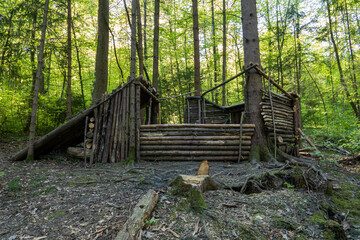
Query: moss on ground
(283,224)
(348,199)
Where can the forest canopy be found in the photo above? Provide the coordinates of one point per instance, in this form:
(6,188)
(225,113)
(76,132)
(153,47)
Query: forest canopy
(311,47)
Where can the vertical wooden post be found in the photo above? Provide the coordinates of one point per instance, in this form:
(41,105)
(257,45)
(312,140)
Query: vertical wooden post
(297,124)
(199,110)
(149,112)
(132,122)
(188,110)
(159,113)
(138,121)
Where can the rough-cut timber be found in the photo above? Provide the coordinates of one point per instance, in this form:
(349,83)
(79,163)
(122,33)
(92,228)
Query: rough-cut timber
(136,222)
(286,118)
(212,142)
(110,130)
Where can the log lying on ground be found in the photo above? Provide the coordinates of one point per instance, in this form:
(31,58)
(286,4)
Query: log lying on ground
(67,133)
(77,152)
(142,211)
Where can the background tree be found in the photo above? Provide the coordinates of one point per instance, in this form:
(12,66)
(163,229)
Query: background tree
(30,155)
(102,51)
(253,79)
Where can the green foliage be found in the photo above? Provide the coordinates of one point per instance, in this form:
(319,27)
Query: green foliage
(14,185)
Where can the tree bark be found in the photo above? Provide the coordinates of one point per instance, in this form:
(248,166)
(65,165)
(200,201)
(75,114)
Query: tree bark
(30,155)
(133,39)
(68,93)
(197,82)
(79,66)
(140,40)
(224,55)
(214,47)
(102,51)
(253,86)
(156,46)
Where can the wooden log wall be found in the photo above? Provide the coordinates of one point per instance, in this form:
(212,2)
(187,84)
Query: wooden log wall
(286,117)
(113,133)
(210,113)
(187,142)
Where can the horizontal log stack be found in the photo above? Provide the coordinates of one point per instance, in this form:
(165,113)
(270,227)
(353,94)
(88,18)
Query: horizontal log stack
(286,118)
(187,142)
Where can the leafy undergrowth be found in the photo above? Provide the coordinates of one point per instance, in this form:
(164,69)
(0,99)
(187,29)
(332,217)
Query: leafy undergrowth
(57,198)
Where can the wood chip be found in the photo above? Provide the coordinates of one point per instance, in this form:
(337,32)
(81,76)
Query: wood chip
(174,233)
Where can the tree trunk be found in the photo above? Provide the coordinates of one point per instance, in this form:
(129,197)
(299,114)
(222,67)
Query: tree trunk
(253,86)
(133,39)
(30,155)
(140,40)
(102,51)
(214,48)
(79,66)
(342,80)
(145,25)
(224,55)
(197,82)
(68,93)
(156,46)
(352,58)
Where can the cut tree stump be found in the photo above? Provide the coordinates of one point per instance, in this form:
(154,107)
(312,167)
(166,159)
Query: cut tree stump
(202,183)
(141,212)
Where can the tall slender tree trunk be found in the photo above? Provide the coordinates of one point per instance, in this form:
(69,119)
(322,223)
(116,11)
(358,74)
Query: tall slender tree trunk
(342,80)
(224,55)
(145,25)
(253,79)
(156,45)
(214,49)
(102,51)
(352,59)
(68,93)
(197,82)
(79,66)
(133,39)
(30,155)
(140,39)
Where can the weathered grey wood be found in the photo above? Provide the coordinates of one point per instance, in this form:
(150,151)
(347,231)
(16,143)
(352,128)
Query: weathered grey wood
(96,117)
(197,142)
(141,212)
(192,147)
(170,138)
(138,122)
(192,153)
(192,158)
(197,125)
(77,152)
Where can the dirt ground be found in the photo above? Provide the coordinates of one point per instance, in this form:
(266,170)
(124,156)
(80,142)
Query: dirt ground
(60,198)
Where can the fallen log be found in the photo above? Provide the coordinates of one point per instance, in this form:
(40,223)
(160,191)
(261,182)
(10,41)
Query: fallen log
(142,211)
(71,132)
(77,152)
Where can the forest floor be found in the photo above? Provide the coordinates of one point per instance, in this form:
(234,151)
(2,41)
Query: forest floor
(59,198)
